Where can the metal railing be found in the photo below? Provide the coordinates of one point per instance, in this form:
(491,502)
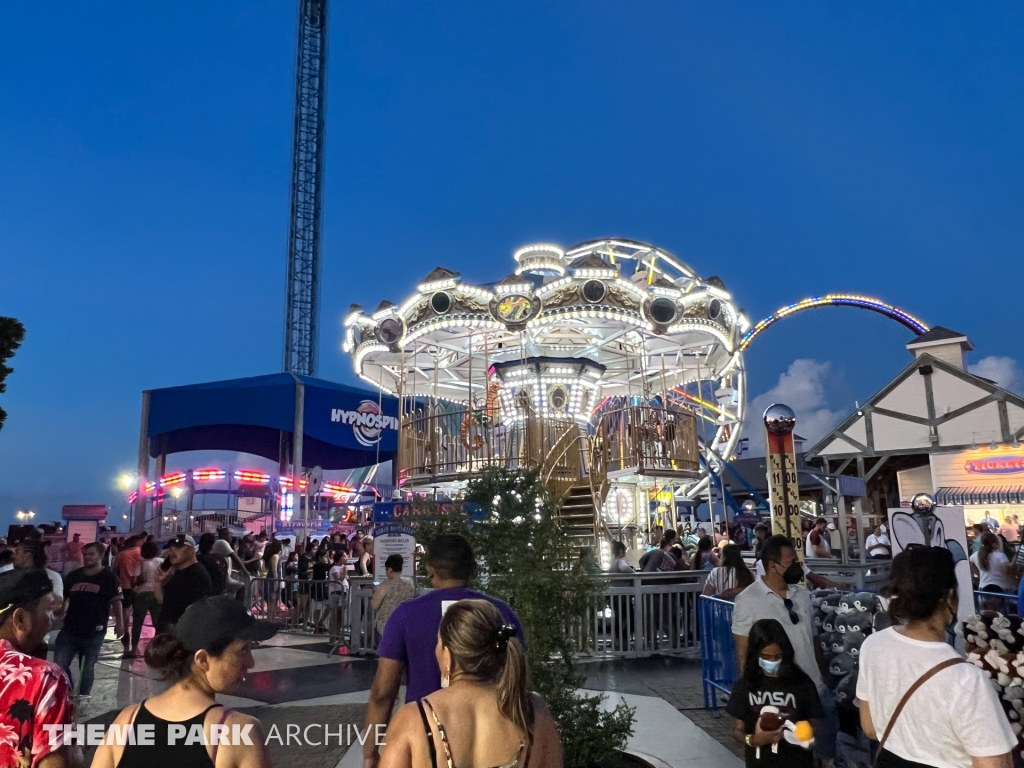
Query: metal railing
(316,607)
(650,440)
(642,615)
(719,667)
(1004,602)
(869,576)
(438,445)
(635,616)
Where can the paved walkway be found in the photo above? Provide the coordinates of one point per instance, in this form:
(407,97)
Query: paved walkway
(296,685)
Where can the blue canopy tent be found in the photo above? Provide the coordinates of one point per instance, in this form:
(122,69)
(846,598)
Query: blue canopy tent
(315,422)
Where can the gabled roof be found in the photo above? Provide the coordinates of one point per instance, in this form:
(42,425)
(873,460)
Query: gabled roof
(929,406)
(440,273)
(939,334)
(661,282)
(590,261)
(514,279)
(716,281)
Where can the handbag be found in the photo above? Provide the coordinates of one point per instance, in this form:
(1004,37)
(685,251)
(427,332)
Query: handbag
(906,696)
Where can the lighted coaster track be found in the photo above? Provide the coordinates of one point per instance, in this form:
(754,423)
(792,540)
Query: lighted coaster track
(836,300)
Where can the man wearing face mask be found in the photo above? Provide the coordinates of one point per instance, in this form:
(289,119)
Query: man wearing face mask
(878,545)
(775,595)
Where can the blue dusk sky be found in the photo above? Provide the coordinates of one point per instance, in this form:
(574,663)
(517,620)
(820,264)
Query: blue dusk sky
(791,148)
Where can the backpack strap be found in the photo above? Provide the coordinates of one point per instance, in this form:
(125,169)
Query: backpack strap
(906,697)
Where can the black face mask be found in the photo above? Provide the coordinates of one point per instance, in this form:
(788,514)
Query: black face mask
(951,627)
(794,574)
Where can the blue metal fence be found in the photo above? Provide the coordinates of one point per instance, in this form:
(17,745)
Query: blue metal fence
(1004,602)
(717,650)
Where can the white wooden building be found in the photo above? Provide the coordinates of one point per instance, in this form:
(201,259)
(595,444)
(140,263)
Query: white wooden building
(938,428)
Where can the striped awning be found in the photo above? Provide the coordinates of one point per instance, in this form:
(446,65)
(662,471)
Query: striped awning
(989,495)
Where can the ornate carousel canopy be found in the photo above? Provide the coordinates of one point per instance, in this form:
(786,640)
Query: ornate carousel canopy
(565,333)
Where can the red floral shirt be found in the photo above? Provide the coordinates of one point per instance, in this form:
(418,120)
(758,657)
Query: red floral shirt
(33,693)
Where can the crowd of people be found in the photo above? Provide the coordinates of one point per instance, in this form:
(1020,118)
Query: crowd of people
(462,652)
(953,720)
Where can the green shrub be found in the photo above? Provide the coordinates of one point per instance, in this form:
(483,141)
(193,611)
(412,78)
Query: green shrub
(528,561)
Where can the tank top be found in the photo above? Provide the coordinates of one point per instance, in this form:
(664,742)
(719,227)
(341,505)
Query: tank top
(444,739)
(160,754)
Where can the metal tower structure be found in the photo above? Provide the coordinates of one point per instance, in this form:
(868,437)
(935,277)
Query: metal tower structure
(302,313)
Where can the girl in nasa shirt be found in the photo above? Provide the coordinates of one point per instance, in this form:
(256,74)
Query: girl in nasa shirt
(772,690)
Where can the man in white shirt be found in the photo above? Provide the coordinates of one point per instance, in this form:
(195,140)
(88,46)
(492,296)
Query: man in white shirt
(776,595)
(878,545)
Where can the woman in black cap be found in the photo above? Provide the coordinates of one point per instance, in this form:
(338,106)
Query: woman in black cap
(209,653)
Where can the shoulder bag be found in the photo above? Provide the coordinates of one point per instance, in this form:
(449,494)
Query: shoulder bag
(906,696)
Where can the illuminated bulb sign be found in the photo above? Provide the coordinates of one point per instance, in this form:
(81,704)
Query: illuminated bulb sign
(996,465)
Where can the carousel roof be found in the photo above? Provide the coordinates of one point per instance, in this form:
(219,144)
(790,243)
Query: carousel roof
(641,314)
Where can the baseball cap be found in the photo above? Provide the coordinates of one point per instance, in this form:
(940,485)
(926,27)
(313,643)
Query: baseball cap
(831,526)
(181,540)
(20,587)
(212,619)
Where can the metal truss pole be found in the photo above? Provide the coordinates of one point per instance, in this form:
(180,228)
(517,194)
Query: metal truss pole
(302,313)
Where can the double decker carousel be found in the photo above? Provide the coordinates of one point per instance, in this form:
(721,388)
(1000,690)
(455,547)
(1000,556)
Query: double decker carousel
(612,368)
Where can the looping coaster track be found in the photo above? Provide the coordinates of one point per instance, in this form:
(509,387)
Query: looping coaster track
(835,300)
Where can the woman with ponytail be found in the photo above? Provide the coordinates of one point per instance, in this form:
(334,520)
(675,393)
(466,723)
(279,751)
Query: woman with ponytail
(485,713)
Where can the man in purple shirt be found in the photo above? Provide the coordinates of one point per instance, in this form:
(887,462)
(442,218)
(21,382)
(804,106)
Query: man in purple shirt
(410,636)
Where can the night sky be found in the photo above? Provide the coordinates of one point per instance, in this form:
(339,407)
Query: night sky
(793,149)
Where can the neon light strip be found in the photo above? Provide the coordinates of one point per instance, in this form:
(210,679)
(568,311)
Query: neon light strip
(336,488)
(711,406)
(208,475)
(288,482)
(836,300)
(253,477)
(172,479)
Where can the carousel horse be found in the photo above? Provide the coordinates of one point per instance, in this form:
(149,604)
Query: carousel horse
(483,417)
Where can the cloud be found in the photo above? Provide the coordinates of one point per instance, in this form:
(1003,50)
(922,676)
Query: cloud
(802,388)
(1004,371)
